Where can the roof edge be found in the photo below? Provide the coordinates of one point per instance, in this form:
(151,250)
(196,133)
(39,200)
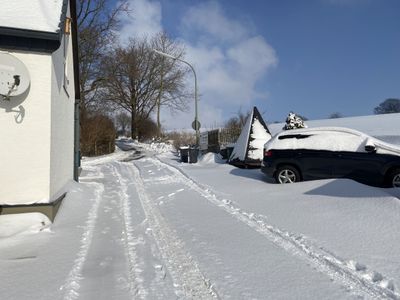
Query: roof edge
(17,32)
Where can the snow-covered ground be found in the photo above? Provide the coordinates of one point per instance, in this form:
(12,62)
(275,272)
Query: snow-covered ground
(143,225)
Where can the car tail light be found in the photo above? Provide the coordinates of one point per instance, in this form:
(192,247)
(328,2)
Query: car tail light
(267,153)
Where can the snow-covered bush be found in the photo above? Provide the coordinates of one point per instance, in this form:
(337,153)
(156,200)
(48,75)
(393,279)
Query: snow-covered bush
(293,121)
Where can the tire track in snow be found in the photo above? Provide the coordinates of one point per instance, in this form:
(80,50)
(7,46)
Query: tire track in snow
(356,277)
(72,284)
(188,280)
(135,279)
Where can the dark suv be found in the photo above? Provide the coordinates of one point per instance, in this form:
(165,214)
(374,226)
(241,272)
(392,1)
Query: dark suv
(331,152)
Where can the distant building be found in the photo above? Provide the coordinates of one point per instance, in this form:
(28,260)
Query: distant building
(37,109)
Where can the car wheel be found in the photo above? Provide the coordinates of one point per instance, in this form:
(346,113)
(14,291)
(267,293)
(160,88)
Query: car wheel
(287,174)
(394,178)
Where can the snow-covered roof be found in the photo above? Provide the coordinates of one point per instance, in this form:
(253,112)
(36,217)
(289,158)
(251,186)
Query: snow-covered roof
(329,138)
(35,15)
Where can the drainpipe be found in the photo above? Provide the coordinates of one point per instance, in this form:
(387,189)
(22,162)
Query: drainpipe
(77,152)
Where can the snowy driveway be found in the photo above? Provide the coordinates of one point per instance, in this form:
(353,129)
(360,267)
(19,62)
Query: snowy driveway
(153,228)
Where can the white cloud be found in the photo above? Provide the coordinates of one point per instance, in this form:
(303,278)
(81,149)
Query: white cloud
(229,57)
(144,19)
(253,56)
(207,19)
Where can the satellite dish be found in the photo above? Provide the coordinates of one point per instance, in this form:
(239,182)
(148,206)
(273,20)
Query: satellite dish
(14,76)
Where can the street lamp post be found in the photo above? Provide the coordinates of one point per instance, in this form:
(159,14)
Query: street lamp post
(196,123)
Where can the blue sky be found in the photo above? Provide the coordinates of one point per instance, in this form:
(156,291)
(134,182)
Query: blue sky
(313,57)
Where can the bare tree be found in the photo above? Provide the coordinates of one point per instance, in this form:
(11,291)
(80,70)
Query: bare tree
(172,92)
(132,81)
(147,129)
(237,122)
(97,24)
(123,121)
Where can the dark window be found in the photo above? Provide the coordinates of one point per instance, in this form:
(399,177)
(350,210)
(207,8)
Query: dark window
(294,136)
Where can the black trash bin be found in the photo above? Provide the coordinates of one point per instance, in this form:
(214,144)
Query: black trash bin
(229,151)
(223,152)
(184,152)
(193,155)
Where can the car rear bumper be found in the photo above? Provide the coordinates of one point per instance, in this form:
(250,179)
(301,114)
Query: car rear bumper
(267,169)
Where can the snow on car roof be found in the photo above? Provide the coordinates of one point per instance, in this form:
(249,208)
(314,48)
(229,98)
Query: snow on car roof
(373,125)
(340,139)
(319,129)
(43,15)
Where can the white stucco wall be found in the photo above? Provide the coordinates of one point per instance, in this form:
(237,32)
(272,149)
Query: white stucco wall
(25,140)
(37,145)
(62,119)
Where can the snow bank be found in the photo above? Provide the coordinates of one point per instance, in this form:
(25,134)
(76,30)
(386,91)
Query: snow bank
(158,147)
(211,158)
(28,223)
(118,154)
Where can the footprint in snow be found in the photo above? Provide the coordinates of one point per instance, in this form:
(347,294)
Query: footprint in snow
(387,284)
(356,266)
(371,276)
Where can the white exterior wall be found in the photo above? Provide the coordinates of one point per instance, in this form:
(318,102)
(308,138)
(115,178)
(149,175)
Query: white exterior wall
(25,143)
(37,152)
(62,119)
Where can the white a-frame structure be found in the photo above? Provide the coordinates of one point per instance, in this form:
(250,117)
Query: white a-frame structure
(248,150)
